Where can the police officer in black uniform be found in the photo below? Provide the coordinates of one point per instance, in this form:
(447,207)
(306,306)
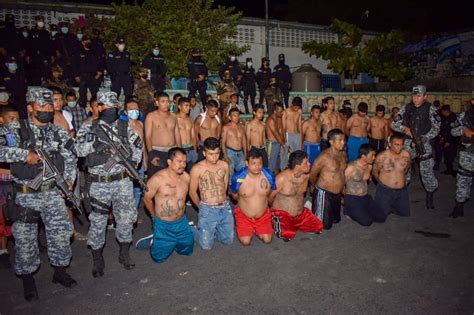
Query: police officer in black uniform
(119,66)
(155,62)
(14,80)
(65,45)
(10,37)
(283,77)
(88,70)
(231,64)
(197,74)
(248,84)
(263,78)
(40,50)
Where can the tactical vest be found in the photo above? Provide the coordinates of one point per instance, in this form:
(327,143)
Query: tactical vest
(102,152)
(22,170)
(419,118)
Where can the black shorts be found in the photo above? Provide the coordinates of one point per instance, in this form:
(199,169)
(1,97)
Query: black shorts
(327,207)
(377,145)
(162,163)
(391,200)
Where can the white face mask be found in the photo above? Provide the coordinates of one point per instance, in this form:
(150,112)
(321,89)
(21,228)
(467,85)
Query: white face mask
(232,58)
(249,64)
(121,47)
(54,33)
(25,34)
(40,24)
(79,36)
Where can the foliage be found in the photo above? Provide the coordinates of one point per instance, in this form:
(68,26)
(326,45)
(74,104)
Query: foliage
(380,56)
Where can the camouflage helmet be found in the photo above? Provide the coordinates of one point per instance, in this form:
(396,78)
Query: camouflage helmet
(41,96)
(108,98)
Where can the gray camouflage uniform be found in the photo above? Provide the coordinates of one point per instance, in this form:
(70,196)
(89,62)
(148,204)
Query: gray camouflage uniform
(118,194)
(465,159)
(49,203)
(426,162)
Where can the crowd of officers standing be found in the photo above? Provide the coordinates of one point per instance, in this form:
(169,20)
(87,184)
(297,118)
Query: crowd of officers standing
(200,152)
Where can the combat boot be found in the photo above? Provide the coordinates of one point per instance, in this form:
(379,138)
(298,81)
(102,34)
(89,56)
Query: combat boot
(458,210)
(429,200)
(62,277)
(98,263)
(29,287)
(124,257)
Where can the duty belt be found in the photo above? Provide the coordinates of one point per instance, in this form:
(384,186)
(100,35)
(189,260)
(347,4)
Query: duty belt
(425,158)
(28,190)
(107,178)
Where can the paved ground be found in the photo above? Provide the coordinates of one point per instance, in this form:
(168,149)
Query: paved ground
(386,268)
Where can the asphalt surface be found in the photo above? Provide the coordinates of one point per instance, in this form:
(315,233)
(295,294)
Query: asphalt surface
(385,268)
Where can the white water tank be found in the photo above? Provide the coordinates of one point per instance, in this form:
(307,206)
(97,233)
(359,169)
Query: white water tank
(306,79)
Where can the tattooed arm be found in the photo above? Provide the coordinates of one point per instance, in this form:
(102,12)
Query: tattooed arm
(153,185)
(377,166)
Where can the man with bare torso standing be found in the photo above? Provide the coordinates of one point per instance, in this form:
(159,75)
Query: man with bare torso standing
(358,204)
(311,134)
(390,169)
(357,128)
(327,174)
(161,134)
(234,142)
(211,177)
(207,124)
(291,120)
(166,202)
(251,187)
(329,119)
(187,132)
(288,210)
(255,133)
(275,137)
(378,129)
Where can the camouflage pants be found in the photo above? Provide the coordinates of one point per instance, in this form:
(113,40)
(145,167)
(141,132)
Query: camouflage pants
(118,194)
(464,176)
(426,166)
(58,232)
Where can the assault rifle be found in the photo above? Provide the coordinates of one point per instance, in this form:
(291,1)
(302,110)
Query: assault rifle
(119,154)
(50,171)
(419,146)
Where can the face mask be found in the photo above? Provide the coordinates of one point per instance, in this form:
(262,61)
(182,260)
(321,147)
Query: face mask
(108,115)
(249,64)
(79,36)
(40,24)
(281,61)
(4,97)
(232,58)
(54,33)
(156,52)
(25,34)
(121,47)
(71,104)
(133,114)
(64,30)
(44,117)
(12,67)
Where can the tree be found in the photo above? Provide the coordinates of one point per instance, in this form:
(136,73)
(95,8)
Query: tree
(178,26)
(380,56)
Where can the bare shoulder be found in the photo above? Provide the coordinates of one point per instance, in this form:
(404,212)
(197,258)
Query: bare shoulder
(186,177)
(405,154)
(223,164)
(196,170)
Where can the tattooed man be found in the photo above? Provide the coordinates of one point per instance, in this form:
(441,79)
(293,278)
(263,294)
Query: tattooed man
(390,169)
(211,178)
(166,202)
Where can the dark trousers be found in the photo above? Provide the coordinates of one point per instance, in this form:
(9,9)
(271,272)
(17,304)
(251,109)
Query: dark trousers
(448,153)
(161,162)
(391,200)
(159,84)
(360,209)
(327,207)
(39,70)
(286,93)
(120,81)
(88,81)
(200,86)
(261,92)
(249,92)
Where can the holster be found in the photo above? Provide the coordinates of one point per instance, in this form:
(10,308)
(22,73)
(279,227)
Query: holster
(14,212)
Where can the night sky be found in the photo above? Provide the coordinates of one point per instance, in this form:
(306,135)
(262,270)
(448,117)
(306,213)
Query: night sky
(418,17)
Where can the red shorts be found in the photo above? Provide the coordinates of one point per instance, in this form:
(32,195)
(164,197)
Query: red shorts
(286,226)
(246,226)
(5,188)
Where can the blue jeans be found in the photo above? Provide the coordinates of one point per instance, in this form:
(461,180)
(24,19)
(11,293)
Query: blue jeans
(137,190)
(236,160)
(312,149)
(273,150)
(214,222)
(191,158)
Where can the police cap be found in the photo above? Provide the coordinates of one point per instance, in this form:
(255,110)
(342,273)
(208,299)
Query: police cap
(40,96)
(120,40)
(419,90)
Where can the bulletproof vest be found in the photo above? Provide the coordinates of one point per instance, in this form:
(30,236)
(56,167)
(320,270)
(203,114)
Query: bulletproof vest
(22,170)
(419,118)
(102,154)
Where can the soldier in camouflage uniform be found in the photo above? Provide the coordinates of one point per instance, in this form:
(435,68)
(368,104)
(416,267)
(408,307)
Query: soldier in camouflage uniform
(225,89)
(46,202)
(273,95)
(110,185)
(420,119)
(144,91)
(464,127)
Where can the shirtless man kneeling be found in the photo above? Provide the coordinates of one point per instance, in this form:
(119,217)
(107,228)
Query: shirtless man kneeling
(251,187)
(390,169)
(288,211)
(357,128)
(166,202)
(211,177)
(358,204)
(161,134)
(327,174)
